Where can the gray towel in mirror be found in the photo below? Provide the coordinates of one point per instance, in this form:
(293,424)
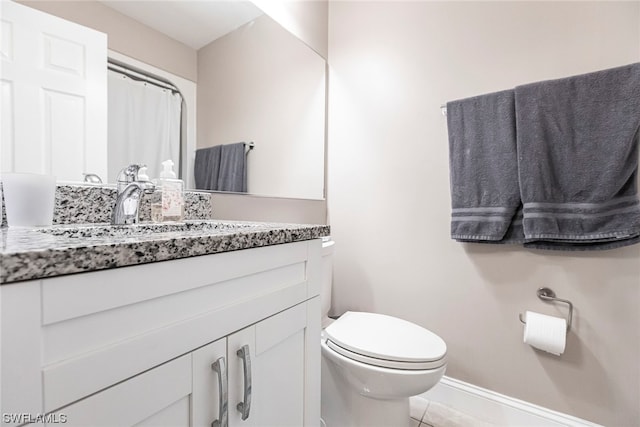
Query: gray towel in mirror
(578,160)
(221,168)
(233,168)
(485,196)
(206,167)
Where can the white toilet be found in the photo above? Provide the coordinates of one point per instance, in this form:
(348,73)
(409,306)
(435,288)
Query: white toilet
(372,363)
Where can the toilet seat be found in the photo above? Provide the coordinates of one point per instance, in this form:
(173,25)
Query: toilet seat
(385,341)
(383,363)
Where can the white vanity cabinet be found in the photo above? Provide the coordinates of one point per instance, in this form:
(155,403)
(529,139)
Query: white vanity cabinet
(136,345)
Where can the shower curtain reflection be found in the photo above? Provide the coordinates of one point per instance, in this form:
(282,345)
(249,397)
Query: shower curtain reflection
(143,125)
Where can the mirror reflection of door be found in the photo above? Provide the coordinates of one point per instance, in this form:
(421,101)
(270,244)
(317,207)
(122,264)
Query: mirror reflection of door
(53,111)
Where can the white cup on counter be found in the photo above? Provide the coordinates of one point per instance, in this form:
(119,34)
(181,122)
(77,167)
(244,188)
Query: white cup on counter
(28,199)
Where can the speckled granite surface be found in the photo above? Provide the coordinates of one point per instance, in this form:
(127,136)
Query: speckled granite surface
(82,203)
(27,254)
(82,240)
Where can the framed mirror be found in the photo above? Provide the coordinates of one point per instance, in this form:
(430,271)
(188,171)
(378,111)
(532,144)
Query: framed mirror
(256,83)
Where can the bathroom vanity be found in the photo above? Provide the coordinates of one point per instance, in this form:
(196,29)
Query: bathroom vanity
(161,326)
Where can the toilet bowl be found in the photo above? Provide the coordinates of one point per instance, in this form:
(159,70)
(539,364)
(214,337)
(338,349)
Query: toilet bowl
(372,363)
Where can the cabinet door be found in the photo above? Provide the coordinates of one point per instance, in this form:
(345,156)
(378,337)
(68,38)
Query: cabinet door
(159,397)
(276,349)
(209,383)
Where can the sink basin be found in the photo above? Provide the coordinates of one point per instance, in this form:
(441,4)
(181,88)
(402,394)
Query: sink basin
(141,229)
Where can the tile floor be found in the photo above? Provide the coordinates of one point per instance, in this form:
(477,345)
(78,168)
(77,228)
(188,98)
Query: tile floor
(434,414)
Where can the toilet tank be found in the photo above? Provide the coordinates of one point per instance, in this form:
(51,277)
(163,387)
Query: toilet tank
(327,279)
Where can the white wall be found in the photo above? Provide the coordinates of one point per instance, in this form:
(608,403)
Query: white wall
(249,207)
(392,65)
(306,19)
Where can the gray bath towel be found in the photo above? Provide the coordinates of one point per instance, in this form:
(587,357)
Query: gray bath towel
(484,169)
(233,168)
(206,167)
(578,160)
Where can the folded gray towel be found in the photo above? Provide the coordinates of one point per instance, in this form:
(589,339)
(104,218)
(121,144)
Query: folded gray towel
(484,169)
(206,167)
(578,160)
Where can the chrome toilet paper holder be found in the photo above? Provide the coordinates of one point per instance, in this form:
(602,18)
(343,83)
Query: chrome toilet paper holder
(547,295)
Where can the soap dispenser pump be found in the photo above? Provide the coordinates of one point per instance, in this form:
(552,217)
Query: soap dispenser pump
(142,174)
(167,169)
(172,193)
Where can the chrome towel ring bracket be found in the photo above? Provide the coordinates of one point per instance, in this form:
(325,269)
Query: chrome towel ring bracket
(546,294)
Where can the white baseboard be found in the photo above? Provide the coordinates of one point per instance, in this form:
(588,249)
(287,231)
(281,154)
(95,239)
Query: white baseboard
(495,408)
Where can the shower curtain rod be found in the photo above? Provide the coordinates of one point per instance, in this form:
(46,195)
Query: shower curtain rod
(140,76)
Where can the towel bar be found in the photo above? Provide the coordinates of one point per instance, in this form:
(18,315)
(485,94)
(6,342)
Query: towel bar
(548,295)
(248,146)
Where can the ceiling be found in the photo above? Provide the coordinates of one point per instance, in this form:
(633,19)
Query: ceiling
(194,23)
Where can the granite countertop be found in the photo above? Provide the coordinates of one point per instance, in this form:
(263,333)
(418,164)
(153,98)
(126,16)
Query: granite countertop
(27,254)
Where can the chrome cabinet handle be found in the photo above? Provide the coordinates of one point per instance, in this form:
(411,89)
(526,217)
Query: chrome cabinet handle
(245,406)
(223,399)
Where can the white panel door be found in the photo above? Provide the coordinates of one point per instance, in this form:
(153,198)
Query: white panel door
(54,95)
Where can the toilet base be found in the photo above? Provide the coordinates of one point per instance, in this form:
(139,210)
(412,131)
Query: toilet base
(342,406)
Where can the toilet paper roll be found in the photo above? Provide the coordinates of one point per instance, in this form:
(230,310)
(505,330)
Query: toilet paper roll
(546,333)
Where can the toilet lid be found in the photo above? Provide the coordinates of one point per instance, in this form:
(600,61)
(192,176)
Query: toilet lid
(386,337)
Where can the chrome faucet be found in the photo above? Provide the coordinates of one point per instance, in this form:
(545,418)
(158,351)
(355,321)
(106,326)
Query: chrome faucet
(130,190)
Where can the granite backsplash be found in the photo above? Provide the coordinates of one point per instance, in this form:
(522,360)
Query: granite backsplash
(79,204)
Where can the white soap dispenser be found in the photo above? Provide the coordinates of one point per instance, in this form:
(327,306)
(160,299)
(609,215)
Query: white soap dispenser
(172,193)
